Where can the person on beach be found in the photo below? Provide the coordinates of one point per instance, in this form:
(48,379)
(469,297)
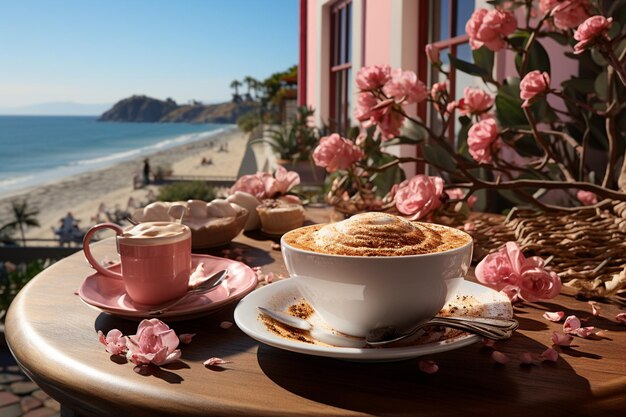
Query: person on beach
(146,171)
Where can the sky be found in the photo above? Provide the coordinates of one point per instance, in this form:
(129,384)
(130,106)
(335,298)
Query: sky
(93,51)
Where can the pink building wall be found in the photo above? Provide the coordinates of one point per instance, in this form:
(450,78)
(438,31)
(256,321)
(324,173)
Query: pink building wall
(311,63)
(377,48)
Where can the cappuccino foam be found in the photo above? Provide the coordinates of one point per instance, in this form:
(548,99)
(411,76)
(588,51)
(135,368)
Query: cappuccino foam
(376,234)
(153,233)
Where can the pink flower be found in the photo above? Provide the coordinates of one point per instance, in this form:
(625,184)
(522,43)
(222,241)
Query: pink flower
(561,339)
(404,86)
(534,84)
(428,367)
(621,318)
(474,101)
(335,152)
(282,181)
(469,227)
(432,52)
(499,357)
(549,355)
(215,362)
(480,139)
(536,283)
(591,29)
(458,194)
(566,14)
(509,271)
(373,77)
(584,331)
(526,358)
(370,112)
(251,184)
(114,341)
(555,317)
(438,89)
(587,197)
(390,124)
(154,343)
(571,323)
(419,196)
(490,28)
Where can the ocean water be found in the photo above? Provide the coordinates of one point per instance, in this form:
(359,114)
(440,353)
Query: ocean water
(38,149)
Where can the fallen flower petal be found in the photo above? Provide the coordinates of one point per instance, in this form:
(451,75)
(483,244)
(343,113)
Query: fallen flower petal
(214,362)
(198,275)
(549,355)
(561,339)
(226,325)
(595,308)
(154,342)
(571,324)
(186,337)
(621,317)
(499,357)
(526,358)
(584,331)
(428,367)
(554,316)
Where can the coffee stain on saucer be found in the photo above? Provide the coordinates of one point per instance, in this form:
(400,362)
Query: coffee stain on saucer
(460,306)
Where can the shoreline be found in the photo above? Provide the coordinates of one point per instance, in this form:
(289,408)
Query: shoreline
(112,187)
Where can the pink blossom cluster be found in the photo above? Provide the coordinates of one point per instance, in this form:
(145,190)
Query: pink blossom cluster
(482,140)
(336,153)
(509,271)
(419,196)
(590,31)
(490,28)
(474,101)
(566,14)
(588,198)
(265,185)
(533,85)
(382,89)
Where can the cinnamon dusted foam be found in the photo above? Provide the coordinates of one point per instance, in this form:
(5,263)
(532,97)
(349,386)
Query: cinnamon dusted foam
(376,234)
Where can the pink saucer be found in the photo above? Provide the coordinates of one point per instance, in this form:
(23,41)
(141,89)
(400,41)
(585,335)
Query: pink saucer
(108,294)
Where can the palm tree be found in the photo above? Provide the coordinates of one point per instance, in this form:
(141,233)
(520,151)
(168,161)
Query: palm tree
(235,85)
(250,84)
(22,217)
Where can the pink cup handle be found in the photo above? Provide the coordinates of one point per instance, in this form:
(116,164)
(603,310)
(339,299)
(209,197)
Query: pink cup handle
(95,264)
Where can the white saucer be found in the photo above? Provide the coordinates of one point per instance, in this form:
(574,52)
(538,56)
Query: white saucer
(109,295)
(281,295)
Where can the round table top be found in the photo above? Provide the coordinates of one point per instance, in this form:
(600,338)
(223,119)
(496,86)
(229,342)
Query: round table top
(53,336)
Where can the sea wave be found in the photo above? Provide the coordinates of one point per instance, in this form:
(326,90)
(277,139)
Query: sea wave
(11,181)
(145,150)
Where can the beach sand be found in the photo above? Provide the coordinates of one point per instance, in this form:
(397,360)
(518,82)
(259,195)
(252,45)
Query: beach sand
(83,194)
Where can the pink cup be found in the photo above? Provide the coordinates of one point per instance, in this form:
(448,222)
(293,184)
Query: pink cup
(155,258)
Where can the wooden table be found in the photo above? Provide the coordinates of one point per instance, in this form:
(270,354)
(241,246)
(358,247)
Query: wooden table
(52,334)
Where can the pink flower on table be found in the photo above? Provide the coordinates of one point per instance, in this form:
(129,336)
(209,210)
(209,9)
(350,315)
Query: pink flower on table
(534,84)
(590,30)
(215,362)
(251,184)
(536,283)
(474,101)
(499,357)
(419,196)
(373,77)
(432,52)
(561,339)
(154,343)
(595,308)
(571,323)
(405,87)
(587,197)
(490,28)
(282,181)
(114,341)
(481,137)
(566,14)
(186,338)
(549,355)
(509,271)
(526,358)
(555,317)
(621,318)
(335,152)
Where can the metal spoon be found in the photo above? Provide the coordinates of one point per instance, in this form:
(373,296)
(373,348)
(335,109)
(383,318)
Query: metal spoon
(324,336)
(207,285)
(491,328)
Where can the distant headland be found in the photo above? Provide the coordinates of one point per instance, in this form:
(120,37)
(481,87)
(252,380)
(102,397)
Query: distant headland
(144,109)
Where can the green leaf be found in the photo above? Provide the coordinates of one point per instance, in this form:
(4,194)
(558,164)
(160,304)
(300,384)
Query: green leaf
(598,58)
(509,107)
(468,67)
(433,153)
(561,38)
(601,85)
(484,58)
(538,59)
(579,85)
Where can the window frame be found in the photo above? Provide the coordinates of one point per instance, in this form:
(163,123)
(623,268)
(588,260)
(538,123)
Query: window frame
(340,65)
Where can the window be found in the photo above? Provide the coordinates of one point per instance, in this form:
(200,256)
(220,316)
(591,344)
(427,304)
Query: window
(448,34)
(340,66)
